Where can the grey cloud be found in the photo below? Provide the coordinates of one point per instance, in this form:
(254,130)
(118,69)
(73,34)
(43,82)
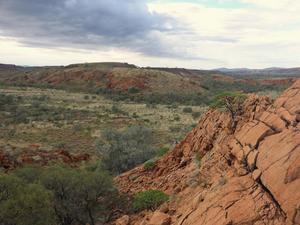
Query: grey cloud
(94,24)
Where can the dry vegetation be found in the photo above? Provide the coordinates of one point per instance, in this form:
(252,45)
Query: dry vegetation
(74,121)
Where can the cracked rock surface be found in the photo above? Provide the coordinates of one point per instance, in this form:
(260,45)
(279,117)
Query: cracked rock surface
(250,175)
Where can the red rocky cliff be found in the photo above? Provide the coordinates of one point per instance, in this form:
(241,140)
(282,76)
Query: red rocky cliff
(220,176)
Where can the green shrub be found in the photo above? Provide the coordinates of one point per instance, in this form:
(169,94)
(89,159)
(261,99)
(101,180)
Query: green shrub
(162,151)
(150,164)
(176,118)
(135,115)
(187,110)
(149,199)
(146,120)
(116,110)
(196,115)
(133,90)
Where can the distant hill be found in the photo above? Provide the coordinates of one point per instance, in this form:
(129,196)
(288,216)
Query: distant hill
(127,81)
(113,76)
(7,67)
(273,71)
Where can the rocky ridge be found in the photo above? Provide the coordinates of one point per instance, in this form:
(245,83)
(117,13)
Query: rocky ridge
(220,176)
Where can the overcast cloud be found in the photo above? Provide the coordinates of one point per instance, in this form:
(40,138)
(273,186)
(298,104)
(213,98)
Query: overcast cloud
(95,24)
(183,33)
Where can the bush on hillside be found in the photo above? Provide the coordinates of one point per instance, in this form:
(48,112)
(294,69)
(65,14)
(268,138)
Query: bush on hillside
(150,164)
(149,199)
(162,151)
(231,102)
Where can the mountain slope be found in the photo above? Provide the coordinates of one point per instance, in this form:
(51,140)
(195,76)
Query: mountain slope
(91,77)
(216,175)
(113,76)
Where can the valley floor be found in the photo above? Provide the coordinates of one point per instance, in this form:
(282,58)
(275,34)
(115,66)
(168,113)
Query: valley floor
(48,119)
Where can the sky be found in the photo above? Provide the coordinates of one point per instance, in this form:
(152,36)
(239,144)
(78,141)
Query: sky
(197,34)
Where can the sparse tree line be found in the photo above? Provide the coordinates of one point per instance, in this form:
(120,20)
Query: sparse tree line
(211,88)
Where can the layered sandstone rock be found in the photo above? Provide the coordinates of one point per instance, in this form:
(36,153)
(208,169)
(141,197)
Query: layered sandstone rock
(249,175)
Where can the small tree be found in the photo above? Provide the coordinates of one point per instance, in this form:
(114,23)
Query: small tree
(80,196)
(25,204)
(124,150)
(230,102)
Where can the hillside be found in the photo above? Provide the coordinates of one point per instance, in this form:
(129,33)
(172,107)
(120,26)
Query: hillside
(122,81)
(222,175)
(115,76)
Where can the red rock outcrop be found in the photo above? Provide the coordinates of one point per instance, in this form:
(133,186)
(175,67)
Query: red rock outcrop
(219,176)
(9,161)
